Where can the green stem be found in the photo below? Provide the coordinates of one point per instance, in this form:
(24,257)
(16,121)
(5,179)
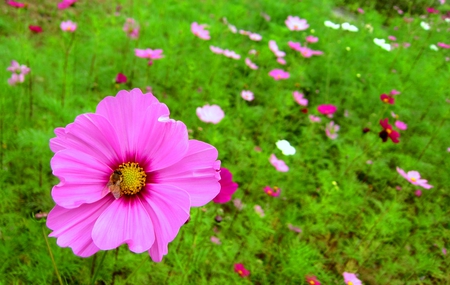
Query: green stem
(51,256)
(99,267)
(136,270)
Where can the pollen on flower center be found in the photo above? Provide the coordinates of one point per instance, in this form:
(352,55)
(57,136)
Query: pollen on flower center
(389,131)
(240,272)
(350,283)
(413,179)
(133,178)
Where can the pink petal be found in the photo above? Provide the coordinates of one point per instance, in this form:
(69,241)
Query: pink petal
(196,173)
(126,220)
(73,227)
(402,173)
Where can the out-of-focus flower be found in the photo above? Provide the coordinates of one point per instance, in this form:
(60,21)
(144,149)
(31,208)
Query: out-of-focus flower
(66,4)
(35,29)
(307,52)
(401,125)
(244,32)
(152,173)
(295,46)
(434,47)
(312,280)
(361,11)
(314,119)
(228,187)
(40,215)
(351,279)
(382,43)
(444,251)
(442,45)
(312,39)
(275,192)
(281,60)
(278,74)
(215,240)
(300,99)
(425,26)
(255,37)
(231,54)
(327,109)
(199,31)
(296,24)
(388,132)
(414,178)
(265,16)
(285,147)
(259,211)
(247,95)
(250,64)
(349,27)
(394,92)
(210,114)
(216,50)
(149,53)
(392,38)
(331,130)
(274,48)
(388,99)
(68,26)
(238,204)
(241,270)
(431,10)
(232,28)
(279,164)
(332,25)
(294,228)
(19,72)
(252,51)
(406,45)
(16,4)
(418,193)
(121,78)
(131,28)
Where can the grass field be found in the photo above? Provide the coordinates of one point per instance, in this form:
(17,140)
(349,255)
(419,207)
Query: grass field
(343,206)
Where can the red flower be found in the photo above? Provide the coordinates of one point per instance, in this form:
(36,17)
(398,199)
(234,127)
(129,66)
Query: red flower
(388,132)
(121,78)
(312,280)
(387,99)
(35,29)
(241,270)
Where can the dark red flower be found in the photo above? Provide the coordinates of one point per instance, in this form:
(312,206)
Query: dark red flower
(366,130)
(432,10)
(388,132)
(388,99)
(121,78)
(35,29)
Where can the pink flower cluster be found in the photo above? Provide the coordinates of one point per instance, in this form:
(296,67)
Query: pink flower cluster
(131,28)
(18,73)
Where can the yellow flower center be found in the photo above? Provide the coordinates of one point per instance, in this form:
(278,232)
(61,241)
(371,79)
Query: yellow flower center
(389,131)
(386,100)
(413,179)
(240,272)
(133,178)
(312,282)
(350,283)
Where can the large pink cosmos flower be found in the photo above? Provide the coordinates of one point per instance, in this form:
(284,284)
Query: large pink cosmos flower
(414,178)
(278,74)
(210,114)
(296,24)
(159,174)
(199,31)
(227,187)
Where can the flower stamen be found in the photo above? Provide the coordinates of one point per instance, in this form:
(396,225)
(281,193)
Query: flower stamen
(133,178)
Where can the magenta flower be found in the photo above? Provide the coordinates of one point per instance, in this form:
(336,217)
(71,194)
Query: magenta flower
(312,280)
(35,29)
(392,38)
(442,45)
(247,95)
(418,193)
(275,192)
(278,74)
(68,26)
(388,99)
(296,24)
(149,53)
(131,28)
(279,164)
(216,50)
(351,279)
(295,46)
(241,270)
(66,4)
(327,109)
(331,130)
(361,11)
(414,178)
(16,4)
(128,175)
(431,10)
(199,31)
(312,39)
(250,64)
(300,99)
(394,92)
(121,78)
(228,187)
(210,114)
(401,125)
(388,132)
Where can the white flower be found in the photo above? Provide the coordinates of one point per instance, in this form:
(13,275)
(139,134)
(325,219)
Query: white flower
(348,27)
(425,26)
(285,147)
(332,25)
(434,47)
(382,43)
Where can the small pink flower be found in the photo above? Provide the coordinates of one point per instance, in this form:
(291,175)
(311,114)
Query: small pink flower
(388,99)
(131,28)
(281,60)
(414,178)
(307,52)
(278,74)
(41,215)
(247,95)
(199,31)
(299,98)
(296,24)
(121,78)
(295,229)
(442,45)
(250,64)
(444,251)
(431,10)
(314,119)
(66,4)
(395,116)
(228,187)
(312,280)
(35,29)
(149,53)
(252,51)
(418,193)
(279,164)
(232,28)
(392,38)
(255,37)
(295,46)
(361,11)
(244,32)
(16,4)
(274,48)
(210,114)
(406,45)
(68,26)
(231,54)
(215,240)
(216,50)
(327,109)
(401,125)
(331,130)
(241,270)
(351,279)
(238,204)
(275,192)
(394,92)
(312,39)
(259,211)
